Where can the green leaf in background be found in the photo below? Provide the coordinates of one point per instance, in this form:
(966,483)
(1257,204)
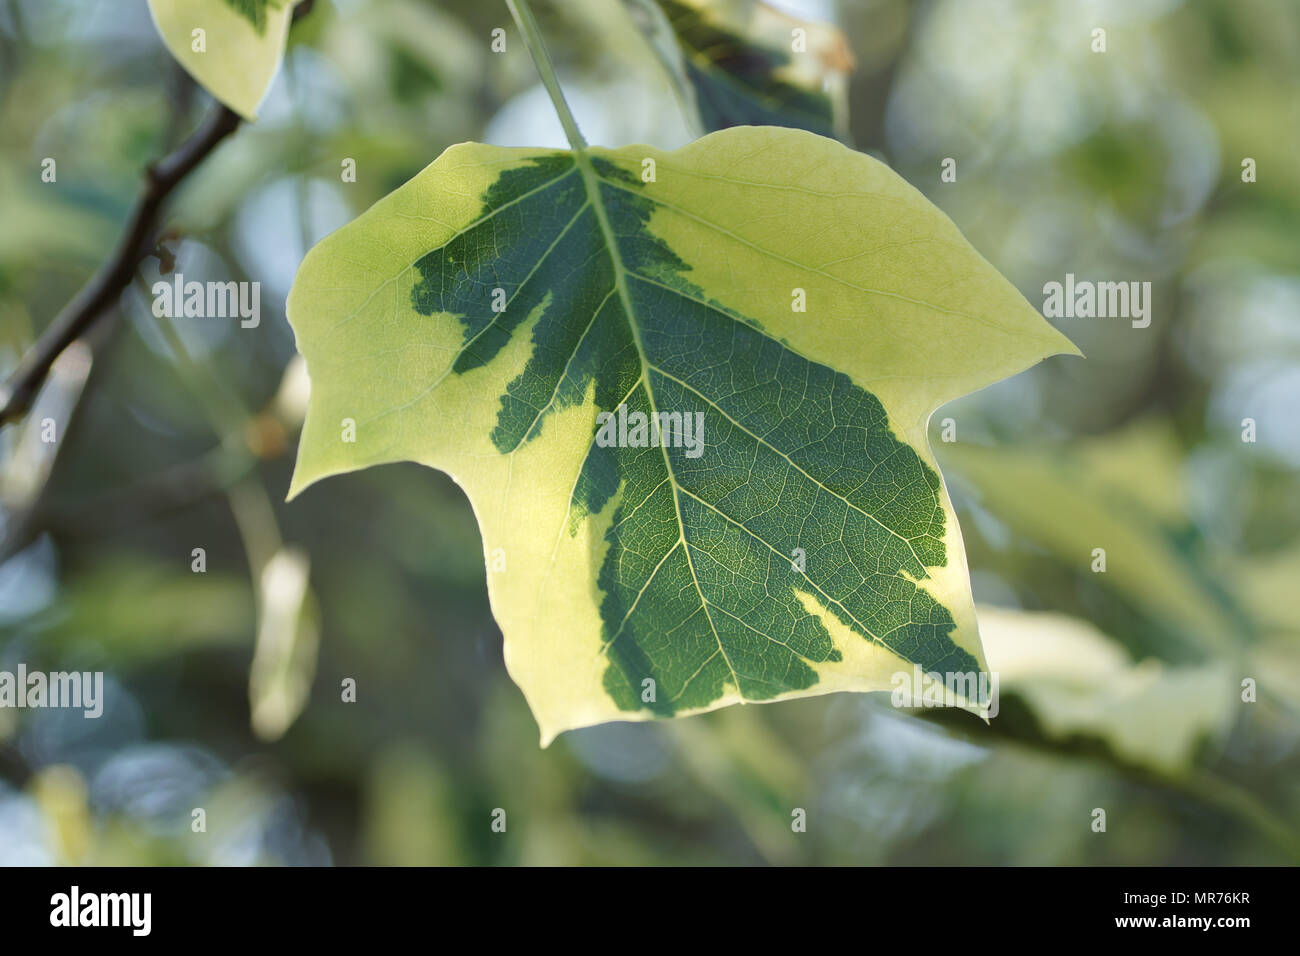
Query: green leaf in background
(240,47)
(751,65)
(479,319)
(1122,493)
(1079,683)
(184,611)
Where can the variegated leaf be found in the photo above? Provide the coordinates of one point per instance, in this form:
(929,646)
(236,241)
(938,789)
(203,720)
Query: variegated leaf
(798,303)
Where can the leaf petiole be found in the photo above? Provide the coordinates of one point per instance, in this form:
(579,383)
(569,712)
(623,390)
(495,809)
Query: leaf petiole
(524,19)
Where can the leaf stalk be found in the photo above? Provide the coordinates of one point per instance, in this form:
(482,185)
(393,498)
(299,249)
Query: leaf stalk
(532,34)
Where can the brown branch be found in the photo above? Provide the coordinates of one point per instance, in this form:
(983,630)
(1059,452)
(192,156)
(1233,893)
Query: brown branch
(139,237)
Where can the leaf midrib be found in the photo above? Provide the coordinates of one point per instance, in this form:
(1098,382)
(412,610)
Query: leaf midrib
(591,182)
(591,185)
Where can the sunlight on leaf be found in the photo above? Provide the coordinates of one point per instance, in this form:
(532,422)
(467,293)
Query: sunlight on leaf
(798,303)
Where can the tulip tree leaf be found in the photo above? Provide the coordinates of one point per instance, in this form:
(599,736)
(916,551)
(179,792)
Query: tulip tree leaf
(485,318)
(746,67)
(236,55)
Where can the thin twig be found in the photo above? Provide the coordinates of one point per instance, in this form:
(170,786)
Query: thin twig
(532,35)
(103,290)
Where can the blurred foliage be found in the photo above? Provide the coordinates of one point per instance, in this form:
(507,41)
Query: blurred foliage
(1121,689)
(730,59)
